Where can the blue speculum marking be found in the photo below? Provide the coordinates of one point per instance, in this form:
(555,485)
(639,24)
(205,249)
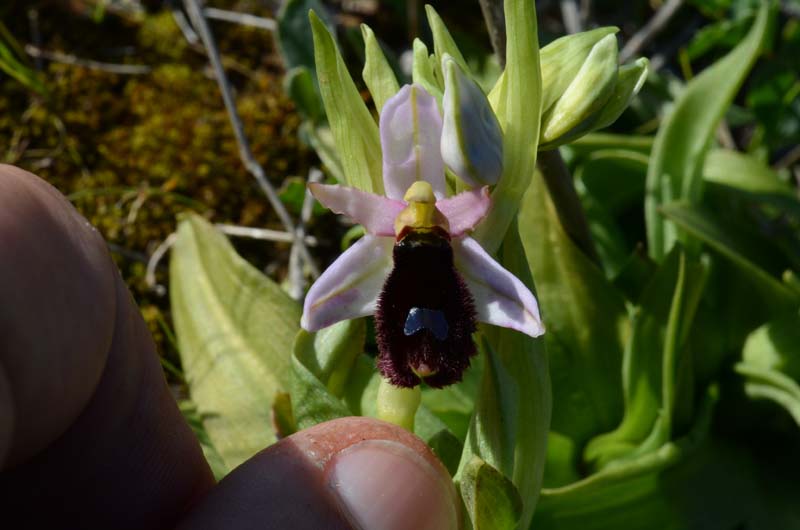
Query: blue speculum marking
(433,320)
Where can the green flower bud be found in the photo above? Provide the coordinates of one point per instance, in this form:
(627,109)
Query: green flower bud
(586,94)
(583,87)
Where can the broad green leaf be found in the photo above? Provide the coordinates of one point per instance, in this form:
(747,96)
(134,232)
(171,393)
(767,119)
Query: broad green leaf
(354,130)
(235,329)
(586,325)
(703,225)
(771,363)
(377,74)
(684,137)
(512,413)
(653,360)
(519,114)
(492,501)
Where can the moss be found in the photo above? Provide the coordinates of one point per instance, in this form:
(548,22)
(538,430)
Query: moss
(134,151)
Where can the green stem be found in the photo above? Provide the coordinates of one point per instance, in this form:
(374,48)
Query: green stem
(566,202)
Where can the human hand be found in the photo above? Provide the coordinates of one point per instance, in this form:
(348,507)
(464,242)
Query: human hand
(90,436)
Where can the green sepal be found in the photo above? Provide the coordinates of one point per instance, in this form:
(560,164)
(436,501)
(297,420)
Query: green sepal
(353,127)
(377,73)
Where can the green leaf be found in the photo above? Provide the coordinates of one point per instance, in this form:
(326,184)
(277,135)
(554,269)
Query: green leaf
(321,366)
(235,329)
(685,135)
(330,353)
(744,172)
(512,413)
(586,324)
(321,139)
(741,250)
(299,85)
(771,363)
(454,404)
(492,501)
(355,132)
(377,74)
(654,356)
(293,195)
(312,403)
(614,177)
(519,111)
(439,438)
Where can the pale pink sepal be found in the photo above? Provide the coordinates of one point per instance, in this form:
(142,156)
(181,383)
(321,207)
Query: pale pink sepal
(349,288)
(411,130)
(500,298)
(465,210)
(376,212)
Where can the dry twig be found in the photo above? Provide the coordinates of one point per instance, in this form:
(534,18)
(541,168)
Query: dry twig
(201,27)
(59,57)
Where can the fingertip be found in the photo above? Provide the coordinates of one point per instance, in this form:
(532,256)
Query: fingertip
(57,314)
(347,473)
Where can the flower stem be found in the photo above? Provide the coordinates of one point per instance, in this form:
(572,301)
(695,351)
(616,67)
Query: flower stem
(398,405)
(566,202)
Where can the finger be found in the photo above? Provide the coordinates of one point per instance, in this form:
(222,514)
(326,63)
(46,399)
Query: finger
(94,438)
(347,473)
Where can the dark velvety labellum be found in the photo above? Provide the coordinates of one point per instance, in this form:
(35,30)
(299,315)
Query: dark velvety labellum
(426,315)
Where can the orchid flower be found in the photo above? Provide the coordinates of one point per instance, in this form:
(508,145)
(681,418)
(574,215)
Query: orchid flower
(417,270)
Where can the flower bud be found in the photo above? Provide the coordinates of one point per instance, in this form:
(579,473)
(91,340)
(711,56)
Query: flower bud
(586,94)
(472,141)
(583,87)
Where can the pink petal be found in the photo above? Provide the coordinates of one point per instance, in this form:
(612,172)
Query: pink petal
(465,210)
(375,212)
(349,288)
(500,297)
(411,130)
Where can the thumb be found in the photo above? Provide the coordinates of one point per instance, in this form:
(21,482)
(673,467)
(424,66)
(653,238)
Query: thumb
(347,473)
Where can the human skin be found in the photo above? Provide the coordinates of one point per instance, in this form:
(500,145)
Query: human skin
(90,436)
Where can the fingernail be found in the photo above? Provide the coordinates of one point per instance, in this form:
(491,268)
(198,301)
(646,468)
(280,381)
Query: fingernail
(384,485)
